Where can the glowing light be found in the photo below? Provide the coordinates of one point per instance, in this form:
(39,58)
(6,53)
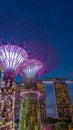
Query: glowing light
(12,56)
(32,67)
(30,92)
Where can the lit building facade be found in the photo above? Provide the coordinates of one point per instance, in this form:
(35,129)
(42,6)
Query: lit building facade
(42,89)
(63,101)
(62,98)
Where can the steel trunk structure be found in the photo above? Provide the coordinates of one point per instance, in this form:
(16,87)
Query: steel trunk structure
(30,118)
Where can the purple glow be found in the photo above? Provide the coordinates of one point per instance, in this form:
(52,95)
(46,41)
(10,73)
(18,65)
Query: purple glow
(47,127)
(12,57)
(30,92)
(35,39)
(21,29)
(45,53)
(31,68)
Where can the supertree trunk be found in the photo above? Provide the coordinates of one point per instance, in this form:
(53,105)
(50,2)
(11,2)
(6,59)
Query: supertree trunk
(30,112)
(7,113)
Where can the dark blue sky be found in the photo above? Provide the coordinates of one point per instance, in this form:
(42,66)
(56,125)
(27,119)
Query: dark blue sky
(56,16)
(57,19)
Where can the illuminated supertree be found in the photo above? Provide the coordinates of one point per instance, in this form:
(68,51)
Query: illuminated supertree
(31,97)
(46,60)
(45,53)
(12,58)
(31,111)
(31,68)
(44,57)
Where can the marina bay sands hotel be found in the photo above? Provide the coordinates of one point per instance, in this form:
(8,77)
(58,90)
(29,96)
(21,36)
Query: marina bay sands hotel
(63,101)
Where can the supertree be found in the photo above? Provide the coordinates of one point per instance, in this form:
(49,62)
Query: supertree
(46,57)
(12,58)
(35,42)
(45,53)
(31,68)
(30,111)
(31,97)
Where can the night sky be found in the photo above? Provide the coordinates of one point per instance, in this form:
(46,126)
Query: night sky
(56,17)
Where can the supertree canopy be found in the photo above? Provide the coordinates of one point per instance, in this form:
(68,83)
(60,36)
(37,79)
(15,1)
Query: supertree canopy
(45,53)
(12,57)
(31,68)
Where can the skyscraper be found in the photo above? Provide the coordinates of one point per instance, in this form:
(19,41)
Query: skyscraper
(42,89)
(62,100)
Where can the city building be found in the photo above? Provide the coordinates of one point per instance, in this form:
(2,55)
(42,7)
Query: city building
(42,89)
(62,97)
(62,100)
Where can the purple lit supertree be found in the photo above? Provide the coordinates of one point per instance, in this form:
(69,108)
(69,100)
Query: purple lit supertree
(34,68)
(45,53)
(31,67)
(29,71)
(12,58)
(31,97)
(42,59)
(30,111)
